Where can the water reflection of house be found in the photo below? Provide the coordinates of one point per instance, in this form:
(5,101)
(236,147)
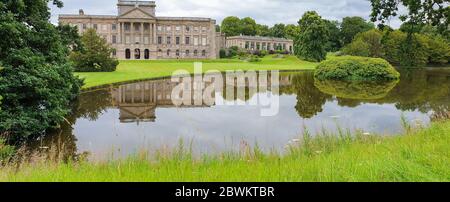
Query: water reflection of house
(137,102)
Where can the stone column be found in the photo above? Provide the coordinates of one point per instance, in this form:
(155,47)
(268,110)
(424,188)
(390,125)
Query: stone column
(142,33)
(154,33)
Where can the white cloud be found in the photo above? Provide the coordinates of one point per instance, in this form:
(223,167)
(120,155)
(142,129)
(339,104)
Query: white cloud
(263,11)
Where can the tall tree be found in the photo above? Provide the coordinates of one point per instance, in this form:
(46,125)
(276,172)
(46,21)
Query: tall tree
(248,26)
(262,30)
(334,41)
(313,37)
(95,56)
(37,81)
(292,31)
(353,25)
(231,26)
(278,30)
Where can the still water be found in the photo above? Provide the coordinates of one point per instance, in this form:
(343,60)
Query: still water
(121,120)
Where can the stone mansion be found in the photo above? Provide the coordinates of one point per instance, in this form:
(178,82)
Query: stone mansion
(137,33)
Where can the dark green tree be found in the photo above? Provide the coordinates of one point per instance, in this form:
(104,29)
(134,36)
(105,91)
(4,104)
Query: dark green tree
(334,41)
(292,31)
(353,25)
(313,38)
(248,26)
(95,56)
(37,82)
(278,30)
(262,30)
(231,26)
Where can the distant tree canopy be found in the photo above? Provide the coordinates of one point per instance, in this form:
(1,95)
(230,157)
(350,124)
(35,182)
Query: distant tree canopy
(311,42)
(278,30)
(353,25)
(231,26)
(95,56)
(37,81)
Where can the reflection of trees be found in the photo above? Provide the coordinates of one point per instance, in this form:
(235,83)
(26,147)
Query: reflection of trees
(357,90)
(309,99)
(92,104)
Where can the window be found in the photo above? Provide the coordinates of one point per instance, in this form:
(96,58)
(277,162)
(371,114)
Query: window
(146,40)
(169,28)
(95,26)
(177,52)
(159,40)
(137,27)
(84,26)
(247,45)
(203,52)
(127,53)
(146,26)
(114,53)
(160,28)
(177,40)
(196,29)
(127,26)
(203,29)
(187,52)
(127,39)
(114,39)
(204,41)
(188,28)
(195,41)
(137,53)
(169,39)
(146,54)
(188,40)
(177,28)
(114,26)
(168,52)
(195,52)
(137,39)
(104,27)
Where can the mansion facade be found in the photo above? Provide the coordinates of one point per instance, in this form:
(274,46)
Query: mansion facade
(136,33)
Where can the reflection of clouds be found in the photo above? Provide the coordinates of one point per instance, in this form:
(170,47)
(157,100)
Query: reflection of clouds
(221,128)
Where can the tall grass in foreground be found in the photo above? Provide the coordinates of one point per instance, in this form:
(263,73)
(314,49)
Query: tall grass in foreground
(418,155)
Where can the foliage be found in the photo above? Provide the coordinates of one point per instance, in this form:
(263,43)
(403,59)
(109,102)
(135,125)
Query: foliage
(356,68)
(413,51)
(334,40)
(262,30)
(438,50)
(231,26)
(248,26)
(95,55)
(358,90)
(391,42)
(357,48)
(313,37)
(278,30)
(6,151)
(222,53)
(351,26)
(431,12)
(292,31)
(37,82)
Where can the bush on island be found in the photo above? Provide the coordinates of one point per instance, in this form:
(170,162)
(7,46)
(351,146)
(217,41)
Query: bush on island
(356,68)
(360,90)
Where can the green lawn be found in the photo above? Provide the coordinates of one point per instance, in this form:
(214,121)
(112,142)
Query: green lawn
(422,155)
(135,70)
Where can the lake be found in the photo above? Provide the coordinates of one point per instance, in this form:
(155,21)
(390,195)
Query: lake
(120,120)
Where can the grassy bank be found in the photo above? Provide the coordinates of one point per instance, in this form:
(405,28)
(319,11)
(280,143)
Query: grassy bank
(422,155)
(135,70)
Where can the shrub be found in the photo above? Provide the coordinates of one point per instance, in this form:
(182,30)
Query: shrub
(233,51)
(356,68)
(95,56)
(413,51)
(357,48)
(391,42)
(263,53)
(271,52)
(6,151)
(359,90)
(438,50)
(222,53)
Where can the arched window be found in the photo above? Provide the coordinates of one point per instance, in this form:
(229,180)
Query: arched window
(146,54)
(137,54)
(127,54)
(187,52)
(168,52)
(203,52)
(195,52)
(177,52)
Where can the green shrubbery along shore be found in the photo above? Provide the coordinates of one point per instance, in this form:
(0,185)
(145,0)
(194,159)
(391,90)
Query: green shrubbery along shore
(356,68)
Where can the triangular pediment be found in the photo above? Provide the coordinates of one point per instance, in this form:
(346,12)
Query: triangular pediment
(137,13)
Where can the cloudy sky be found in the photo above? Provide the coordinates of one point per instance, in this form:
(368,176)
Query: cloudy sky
(263,11)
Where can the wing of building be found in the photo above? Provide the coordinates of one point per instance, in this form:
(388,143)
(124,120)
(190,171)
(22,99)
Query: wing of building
(136,33)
